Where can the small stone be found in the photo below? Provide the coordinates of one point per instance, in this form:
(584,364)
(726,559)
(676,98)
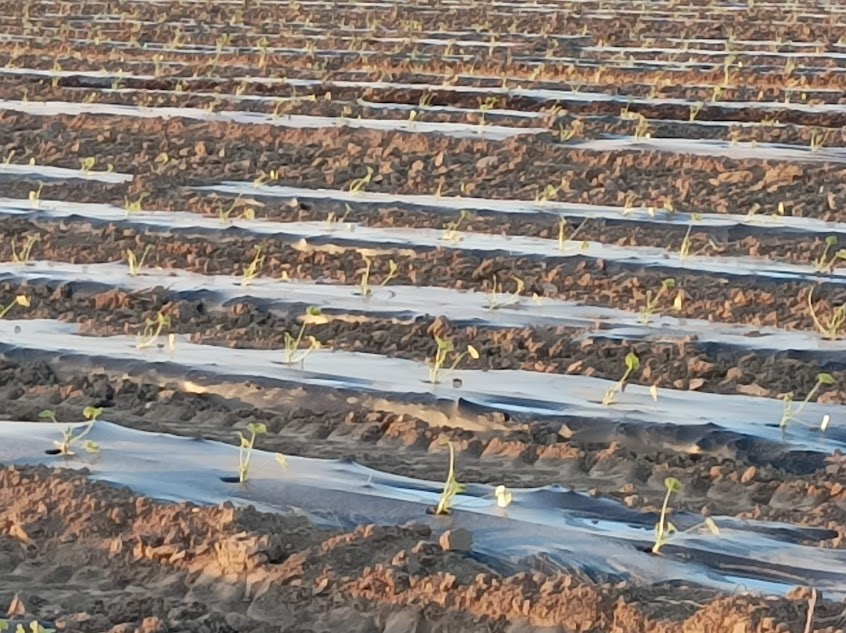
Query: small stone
(460,540)
(748,475)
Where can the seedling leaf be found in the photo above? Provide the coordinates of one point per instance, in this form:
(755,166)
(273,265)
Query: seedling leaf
(825,379)
(672,484)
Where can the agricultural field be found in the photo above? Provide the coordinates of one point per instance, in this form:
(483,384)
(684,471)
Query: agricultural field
(423,317)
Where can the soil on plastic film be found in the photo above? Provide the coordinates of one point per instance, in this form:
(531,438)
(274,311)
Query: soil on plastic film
(755,301)
(79,555)
(163,154)
(86,557)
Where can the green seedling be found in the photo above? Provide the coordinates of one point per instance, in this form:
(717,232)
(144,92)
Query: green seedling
(817,140)
(829,327)
(358,185)
(653,299)
(134,263)
(829,258)
(686,248)
(245,451)
(25,254)
(313,315)
(695,109)
(364,282)
(226,215)
(20,300)
(576,129)
(333,218)
(134,206)
(69,436)
(152,330)
(550,192)
(642,129)
(445,347)
(35,196)
(790,414)
(451,232)
(664,529)
(87,164)
(451,486)
(566,235)
(497,299)
(252,271)
(632,365)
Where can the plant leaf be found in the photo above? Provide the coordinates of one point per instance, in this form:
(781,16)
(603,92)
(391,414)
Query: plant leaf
(712,527)
(92,413)
(474,353)
(632,361)
(673,485)
(825,379)
(257,428)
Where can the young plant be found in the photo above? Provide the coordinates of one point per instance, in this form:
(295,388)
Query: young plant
(225,215)
(632,365)
(364,282)
(312,315)
(69,436)
(664,529)
(451,486)
(817,140)
(827,260)
(642,129)
(686,248)
(252,271)
(134,206)
(497,299)
(652,302)
(23,257)
(245,451)
(358,185)
(829,327)
(334,219)
(87,164)
(451,232)
(566,235)
(445,347)
(35,195)
(20,300)
(134,263)
(792,415)
(152,330)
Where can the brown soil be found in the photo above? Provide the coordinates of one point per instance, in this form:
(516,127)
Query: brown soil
(673,364)
(200,153)
(89,557)
(747,300)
